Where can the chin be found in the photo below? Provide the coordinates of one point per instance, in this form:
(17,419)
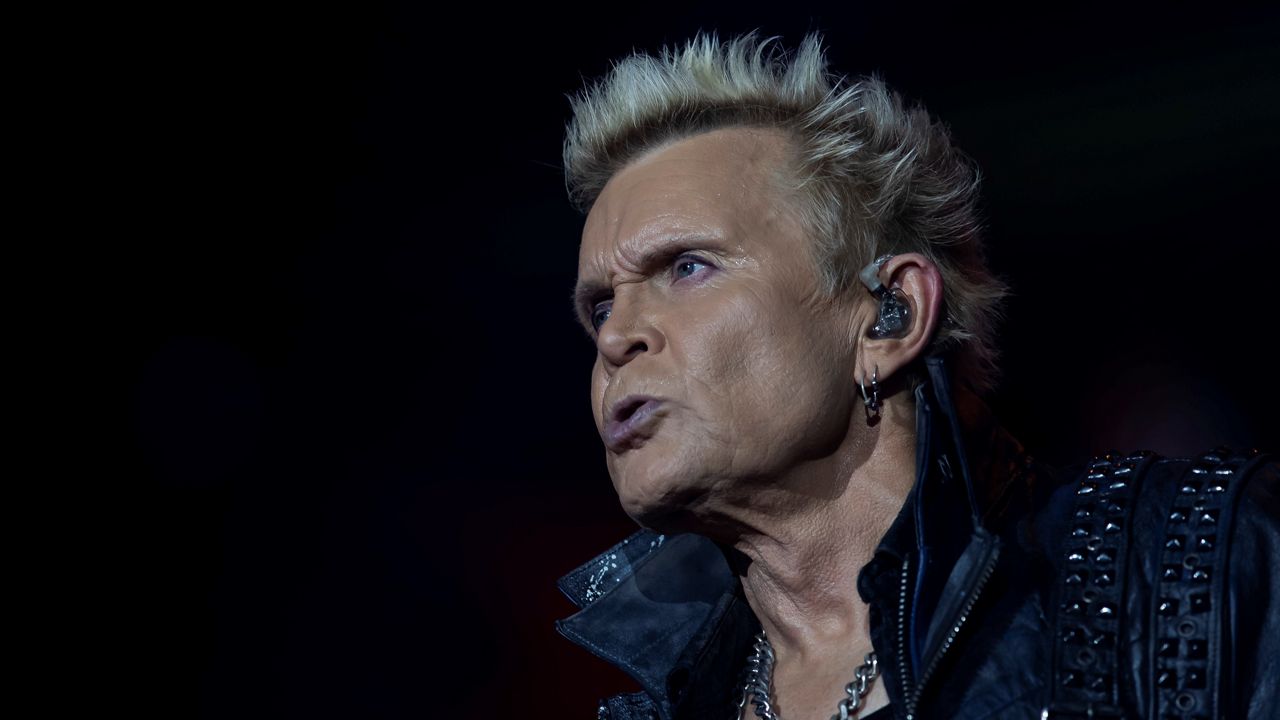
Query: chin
(663,506)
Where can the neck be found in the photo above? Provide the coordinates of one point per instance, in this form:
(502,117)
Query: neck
(804,554)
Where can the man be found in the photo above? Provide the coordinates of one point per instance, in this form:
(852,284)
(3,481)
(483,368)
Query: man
(785,284)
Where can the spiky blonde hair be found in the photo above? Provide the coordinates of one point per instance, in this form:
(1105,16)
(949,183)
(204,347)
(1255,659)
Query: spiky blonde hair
(874,175)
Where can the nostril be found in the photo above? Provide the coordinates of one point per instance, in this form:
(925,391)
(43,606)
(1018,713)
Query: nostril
(638,347)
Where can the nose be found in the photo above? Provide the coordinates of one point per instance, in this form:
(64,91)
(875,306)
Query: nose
(628,332)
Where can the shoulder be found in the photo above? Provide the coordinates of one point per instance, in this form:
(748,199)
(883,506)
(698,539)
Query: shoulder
(1176,563)
(1219,506)
(1153,492)
(1236,585)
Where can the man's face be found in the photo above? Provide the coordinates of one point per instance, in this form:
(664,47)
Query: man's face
(719,366)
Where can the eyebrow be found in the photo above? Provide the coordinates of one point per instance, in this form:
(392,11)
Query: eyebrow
(586,293)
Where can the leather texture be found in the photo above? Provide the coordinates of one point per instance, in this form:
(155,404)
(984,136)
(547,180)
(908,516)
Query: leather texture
(1004,589)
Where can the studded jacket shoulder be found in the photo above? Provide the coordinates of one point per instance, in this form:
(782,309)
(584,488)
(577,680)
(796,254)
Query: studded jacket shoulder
(1165,594)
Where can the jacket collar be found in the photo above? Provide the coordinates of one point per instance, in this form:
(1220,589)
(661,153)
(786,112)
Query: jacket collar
(669,611)
(666,610)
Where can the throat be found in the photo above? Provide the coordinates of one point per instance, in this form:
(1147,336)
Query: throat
(815,688)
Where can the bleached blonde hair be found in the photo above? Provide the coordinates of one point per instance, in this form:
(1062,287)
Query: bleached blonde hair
(874,175)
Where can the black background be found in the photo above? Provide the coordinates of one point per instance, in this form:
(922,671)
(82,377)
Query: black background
(346,423)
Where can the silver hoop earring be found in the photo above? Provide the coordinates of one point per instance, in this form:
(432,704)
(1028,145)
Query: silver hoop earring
(873,401)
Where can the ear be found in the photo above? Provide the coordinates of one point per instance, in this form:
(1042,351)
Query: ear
(921,283)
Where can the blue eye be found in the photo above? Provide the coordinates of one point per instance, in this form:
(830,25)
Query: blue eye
(689,264)
(600,314)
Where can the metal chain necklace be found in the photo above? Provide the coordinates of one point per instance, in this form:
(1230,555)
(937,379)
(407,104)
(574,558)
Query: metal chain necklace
(759,678)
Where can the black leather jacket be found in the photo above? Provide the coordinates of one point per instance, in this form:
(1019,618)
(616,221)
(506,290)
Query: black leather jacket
(1127,586)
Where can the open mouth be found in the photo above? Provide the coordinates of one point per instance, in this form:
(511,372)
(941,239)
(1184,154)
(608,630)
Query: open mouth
(630,422)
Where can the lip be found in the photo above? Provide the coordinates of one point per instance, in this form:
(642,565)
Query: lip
(631,419)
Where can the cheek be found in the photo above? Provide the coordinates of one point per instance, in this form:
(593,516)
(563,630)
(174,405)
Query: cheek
(775,373)
(738,366)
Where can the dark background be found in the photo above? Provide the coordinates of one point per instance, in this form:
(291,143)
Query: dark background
(349,441)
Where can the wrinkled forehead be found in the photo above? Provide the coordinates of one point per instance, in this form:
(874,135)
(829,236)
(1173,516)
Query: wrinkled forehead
(721,183)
